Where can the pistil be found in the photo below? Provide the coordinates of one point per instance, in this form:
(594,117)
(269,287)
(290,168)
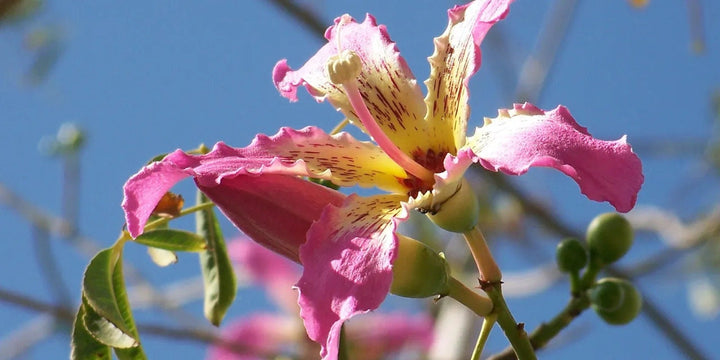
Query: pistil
(344,69)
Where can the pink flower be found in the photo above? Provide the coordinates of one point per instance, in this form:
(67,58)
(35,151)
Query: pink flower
(265,335)
(347,245)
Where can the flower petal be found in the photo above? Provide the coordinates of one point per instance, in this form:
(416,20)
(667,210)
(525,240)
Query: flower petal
(348,265)
(527,136)
(252,202)
(274,210)
(386,83)
(307,152)
(349,161)
(456,59)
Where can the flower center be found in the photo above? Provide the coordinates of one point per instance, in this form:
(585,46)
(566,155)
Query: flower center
(429,159)
(343,69)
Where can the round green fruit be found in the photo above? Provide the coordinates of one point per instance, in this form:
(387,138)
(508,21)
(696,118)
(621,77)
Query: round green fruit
(571,255)
(609,237)
(616,301)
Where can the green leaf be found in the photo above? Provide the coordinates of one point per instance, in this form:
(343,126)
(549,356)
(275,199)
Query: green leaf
(173,240)
(218,275)
(133,353)
(104,331)
(99,291)
(118,283)
(162,257)
(83,345)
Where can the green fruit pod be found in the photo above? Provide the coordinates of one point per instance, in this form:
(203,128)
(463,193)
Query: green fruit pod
(418,271)
(609,237)
(616,301)
(571,255)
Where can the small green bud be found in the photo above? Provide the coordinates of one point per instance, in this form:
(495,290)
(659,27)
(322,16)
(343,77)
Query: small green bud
(571,255)
(607,295)
(460,212)
(616,301)
(609,237)
(418,271)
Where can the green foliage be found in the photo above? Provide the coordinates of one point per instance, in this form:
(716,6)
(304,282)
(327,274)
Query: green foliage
(172,240)
(84,346)
(218,275)
(105,331)
(99,289)
(104,319)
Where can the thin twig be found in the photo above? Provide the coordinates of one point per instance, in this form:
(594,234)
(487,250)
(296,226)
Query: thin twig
(60,228)
(540,62)
(66,315)
(306,17)
(650,309)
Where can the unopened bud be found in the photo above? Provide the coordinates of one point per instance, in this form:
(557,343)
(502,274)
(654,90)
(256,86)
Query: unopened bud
(571,255)
(418,271)
(609,237)
(458,213)
(616,301)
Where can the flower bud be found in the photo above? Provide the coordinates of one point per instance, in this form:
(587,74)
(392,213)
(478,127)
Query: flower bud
(609,237)
(418,271)
(570,255)
(459,212)
(616,301)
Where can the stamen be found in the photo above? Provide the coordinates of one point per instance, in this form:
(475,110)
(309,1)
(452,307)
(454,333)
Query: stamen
(344,69)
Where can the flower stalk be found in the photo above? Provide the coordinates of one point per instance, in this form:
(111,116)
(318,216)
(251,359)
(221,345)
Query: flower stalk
(488,268)
(480,305)
(514,332)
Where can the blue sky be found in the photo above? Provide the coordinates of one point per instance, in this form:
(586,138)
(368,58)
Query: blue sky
(143,78)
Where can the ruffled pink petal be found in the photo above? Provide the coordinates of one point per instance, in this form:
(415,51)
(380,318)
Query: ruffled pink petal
(307,152)
(527,136)
(378,335)
(348,265)
(256,337)
(456,58)
(276,274)
(386,83)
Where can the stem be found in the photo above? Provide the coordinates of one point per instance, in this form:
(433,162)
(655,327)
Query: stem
(491,280)
(487,326)
(575,283)
(188,211)
(515,333)
(546,331)
(480,305)
(489,270)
